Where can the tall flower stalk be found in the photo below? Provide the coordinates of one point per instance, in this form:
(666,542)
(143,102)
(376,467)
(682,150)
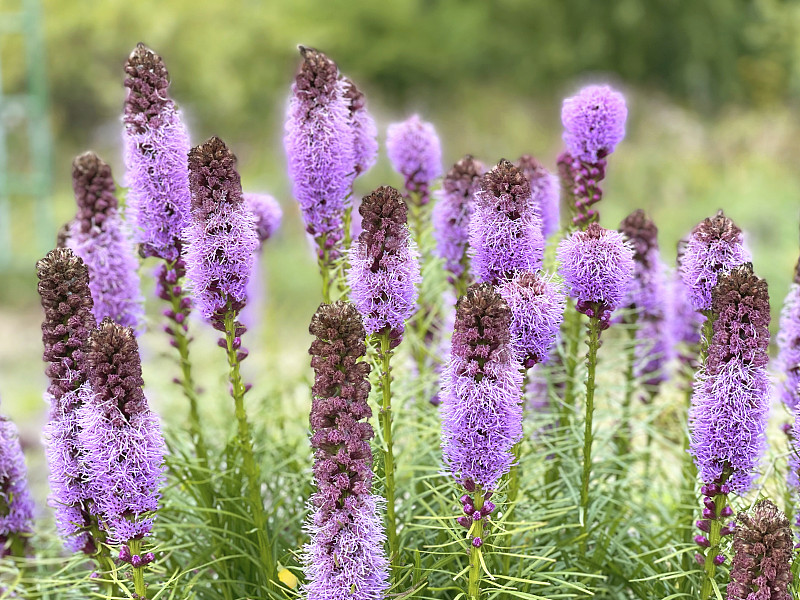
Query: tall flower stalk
(345,557)
(383,279)
(789,345)
(730,405)
(99,237)
(158,201)
(222,242)
(481,412)
(16,504)
(597,267)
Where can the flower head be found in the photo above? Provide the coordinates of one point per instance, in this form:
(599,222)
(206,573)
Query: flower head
(345,557)
(537,308)
(16,505)
(320,145)
(730,404)
(222,236)
(120,436)
(546,191)
(384,270)
(365,133)
(452,213)
(415,152)
(597,266)
(505,232)
(789,345)
(481,404)
(156,149)
(762,560)
(99,237)
(267,212)
(594,122)
(714,245)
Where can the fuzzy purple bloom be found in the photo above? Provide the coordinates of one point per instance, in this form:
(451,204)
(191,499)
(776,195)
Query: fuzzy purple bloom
(415,152)
(546,192)
(345,557)
(505,232)
(762,560)
(714,245)
(730,404)
(793,476)
(452,213)
(16,504)
(384,267)
(789,345)
(267,212)
(319,145)
(481,404)
(537,307)
(597,266)
(100,238)
(68,319)
(120,435)
(594,122)
(156,149)
(683,321)
(222,236)
(365,133)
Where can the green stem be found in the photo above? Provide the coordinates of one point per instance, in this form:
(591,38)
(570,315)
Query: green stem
(624,434)
(348,220)
(689,480)
(388,455)
(135,546)
(251,469)
(513,477)
(475,553)
(324,267)
(571,360)
(591,363)
(714,537)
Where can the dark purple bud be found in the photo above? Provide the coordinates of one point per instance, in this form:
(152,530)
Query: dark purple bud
(466,499)
(476,515)
(469,509)
(703,525)
(477,542)
(487,508)
(700,559)
(727,511)
(464,521)
(136,561)
(702,540)
(719,560)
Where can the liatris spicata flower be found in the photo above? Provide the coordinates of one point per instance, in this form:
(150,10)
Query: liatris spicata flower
(505,233)
(546,192)
(99,237)
(268,215)
(789,345)
(120,435)
(384,271)
(320,147)
(156,149)
(481,411)
(537,308)
(683,321)
(647,296)
(597,266)
(365,133)
(793,476)
(452,213)
(415,152)
(762,560)
(345,557)
(715,245)
(594,123)
(16,505)
(67,304)
(222,236)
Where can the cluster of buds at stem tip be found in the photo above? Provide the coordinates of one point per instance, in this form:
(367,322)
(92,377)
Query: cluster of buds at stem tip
(169,286)
(710,492)
(135,560)
(472,514)
(236,345)
(582,182)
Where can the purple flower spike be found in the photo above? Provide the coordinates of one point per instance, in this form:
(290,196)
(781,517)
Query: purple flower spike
(267,212)
(120,435)
(384,271)
(597,266)
(762,556)
(546,192)
(505,232)
(481,405)
(67,304)
(537,307)
(793,476)
(415,152)
(683,321)
(365,133)
(729,408)
(16,505)
(222,236)
(345,557)
(319,145)
(789,345)
(99,237)
(594,122)
(453,211)
(156,149)
(715,245)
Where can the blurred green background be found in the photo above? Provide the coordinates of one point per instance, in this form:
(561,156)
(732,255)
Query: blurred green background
(712,88)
